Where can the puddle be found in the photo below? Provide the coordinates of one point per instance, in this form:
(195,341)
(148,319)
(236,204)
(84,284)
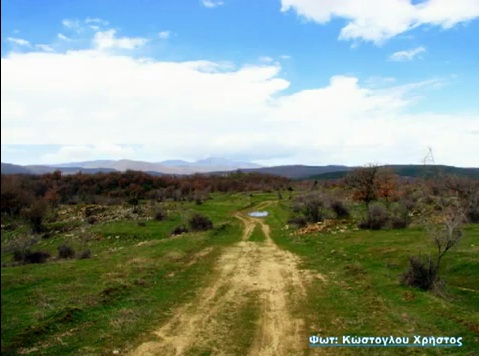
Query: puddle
(258,214)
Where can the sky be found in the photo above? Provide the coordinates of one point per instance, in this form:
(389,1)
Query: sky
(273,82)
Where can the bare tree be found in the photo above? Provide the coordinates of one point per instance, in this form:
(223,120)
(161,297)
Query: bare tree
(425,272)
(363,180)
(447,234)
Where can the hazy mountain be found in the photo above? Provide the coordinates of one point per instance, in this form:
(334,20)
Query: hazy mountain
(223,162)
(175,163)
(298,171)
(166,167)
(107,163)
(8,168)
(221,165)
(211,162)
(36,169)
(412,170)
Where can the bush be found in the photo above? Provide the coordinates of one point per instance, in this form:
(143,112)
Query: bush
(30,257)
(19,255)
(299,221)
(200,222)
(312,206)
(473,215)
(339,209)
(85,254)
(93,210)
(378,218)
(398,222)
(181,229)
(65,251)
(92,220)
(35,214)
(159,214)
(37,257)
(421,273)
(472,212)
(400,216)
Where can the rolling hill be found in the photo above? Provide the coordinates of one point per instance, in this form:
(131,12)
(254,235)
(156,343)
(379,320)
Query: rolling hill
(222,166)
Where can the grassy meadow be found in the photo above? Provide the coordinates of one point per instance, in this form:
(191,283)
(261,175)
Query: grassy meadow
(361,294)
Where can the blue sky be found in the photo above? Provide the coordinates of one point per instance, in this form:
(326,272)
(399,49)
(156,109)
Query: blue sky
(271,81)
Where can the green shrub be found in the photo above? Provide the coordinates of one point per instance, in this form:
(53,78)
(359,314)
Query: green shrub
(65,251)
(422,273)
(378,218)
(27,256)
(159,214)
(338,207)
(181,229)
(85,254)
(200,222)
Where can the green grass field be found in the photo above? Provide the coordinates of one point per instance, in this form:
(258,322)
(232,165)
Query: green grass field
(362,294)
(138,275)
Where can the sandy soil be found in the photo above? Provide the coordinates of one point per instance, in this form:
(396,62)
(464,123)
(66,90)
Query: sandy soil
(259,270)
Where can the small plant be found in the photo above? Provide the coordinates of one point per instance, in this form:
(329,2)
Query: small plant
(35,214)
(159,214)
(65,252)
(339,209)
(199,222)
(399,216)
(312,206)
(422,273)
(37,257)
(299,221)
(378,218)
(19,255)
(30,257)
(181,229)
(399,222)
(92,220)
(472,212)
(85,254)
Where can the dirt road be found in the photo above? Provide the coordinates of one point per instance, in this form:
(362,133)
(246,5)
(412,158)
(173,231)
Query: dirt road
(247,272)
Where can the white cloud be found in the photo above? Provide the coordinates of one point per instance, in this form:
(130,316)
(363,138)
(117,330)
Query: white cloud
(379,20)
(265,59)
(73,25)
(19,41)
(164,35)
(96,21)
(201,108)
(79,153)
(211,3)
(107,40)
(407,55)
(62,37)
(44,47)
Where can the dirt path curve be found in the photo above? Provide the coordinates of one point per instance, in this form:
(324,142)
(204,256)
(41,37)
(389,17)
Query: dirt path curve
(259,270)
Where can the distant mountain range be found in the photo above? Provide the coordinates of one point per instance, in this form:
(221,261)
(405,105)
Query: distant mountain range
(212,164)
(216,165)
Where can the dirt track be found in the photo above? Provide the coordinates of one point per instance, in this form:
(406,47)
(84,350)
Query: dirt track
(258,270)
